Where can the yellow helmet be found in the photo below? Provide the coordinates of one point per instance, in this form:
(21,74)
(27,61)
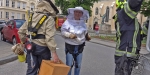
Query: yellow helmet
(120,3)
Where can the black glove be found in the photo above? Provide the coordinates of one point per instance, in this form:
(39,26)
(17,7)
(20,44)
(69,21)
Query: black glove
(147,24)
(134,3)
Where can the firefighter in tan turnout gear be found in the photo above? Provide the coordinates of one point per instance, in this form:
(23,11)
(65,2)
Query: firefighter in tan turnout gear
(39,32)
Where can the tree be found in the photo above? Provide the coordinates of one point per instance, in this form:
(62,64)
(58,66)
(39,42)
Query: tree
(65,4)
(145,9)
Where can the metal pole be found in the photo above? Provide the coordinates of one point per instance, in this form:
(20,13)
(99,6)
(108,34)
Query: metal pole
(148,37)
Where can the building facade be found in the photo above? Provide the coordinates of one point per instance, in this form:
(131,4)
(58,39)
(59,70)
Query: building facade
(18,9)
(98,15)
(15,8)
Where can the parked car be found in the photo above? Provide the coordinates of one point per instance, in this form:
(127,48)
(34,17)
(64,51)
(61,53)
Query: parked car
(2,24)
(10,31)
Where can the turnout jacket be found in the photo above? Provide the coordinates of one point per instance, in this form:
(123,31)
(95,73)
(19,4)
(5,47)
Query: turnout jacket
(47,29)
(128,29)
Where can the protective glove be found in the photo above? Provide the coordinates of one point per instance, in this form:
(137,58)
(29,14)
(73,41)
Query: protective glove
(88,38)
(72,36)
(18,49)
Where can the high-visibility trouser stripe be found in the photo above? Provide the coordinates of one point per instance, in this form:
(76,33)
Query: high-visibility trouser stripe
(135,36)
(129,12)
(144,29)
(118,35)
(115,17)
(121,53)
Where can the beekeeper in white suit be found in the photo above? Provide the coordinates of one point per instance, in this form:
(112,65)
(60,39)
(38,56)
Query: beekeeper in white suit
(74,31)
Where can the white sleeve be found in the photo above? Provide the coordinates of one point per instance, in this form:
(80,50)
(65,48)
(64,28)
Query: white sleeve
(65,30)
(86,29)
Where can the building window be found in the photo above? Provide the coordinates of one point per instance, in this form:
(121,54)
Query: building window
(18,15)
(24,5)
(23,16)
(7,3)
(0,14)
(13,14)
(1,2)
(13,4)
(18,4)
(96,11)
(7,15)
(32,7)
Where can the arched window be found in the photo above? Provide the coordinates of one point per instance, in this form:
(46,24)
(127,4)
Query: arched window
(96,11)
(107,14)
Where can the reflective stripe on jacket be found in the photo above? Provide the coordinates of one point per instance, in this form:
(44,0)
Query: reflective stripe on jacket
(129,12)
(121,50)
(127,32)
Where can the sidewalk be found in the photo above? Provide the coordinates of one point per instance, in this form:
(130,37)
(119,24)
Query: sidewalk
(6,55)
(10,56)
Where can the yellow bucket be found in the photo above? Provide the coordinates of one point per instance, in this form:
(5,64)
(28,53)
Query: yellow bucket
(21,58)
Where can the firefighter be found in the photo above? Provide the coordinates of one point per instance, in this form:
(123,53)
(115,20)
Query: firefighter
(128,33)
(39,31)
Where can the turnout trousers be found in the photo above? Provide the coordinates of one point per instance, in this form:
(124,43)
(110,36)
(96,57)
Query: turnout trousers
(34,58)
(124,67)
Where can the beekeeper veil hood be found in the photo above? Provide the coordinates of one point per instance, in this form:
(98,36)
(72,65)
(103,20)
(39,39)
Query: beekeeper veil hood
(85,15)
(46,6)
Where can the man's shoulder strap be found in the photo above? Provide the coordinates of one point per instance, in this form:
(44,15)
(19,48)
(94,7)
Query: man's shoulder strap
(38,25)
(30,21)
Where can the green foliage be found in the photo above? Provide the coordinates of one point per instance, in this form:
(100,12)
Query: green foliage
(145,9)
(64,5)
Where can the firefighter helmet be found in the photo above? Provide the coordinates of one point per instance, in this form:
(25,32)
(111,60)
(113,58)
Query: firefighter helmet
(120,3)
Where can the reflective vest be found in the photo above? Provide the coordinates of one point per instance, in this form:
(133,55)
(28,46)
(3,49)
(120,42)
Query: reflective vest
(127,32)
